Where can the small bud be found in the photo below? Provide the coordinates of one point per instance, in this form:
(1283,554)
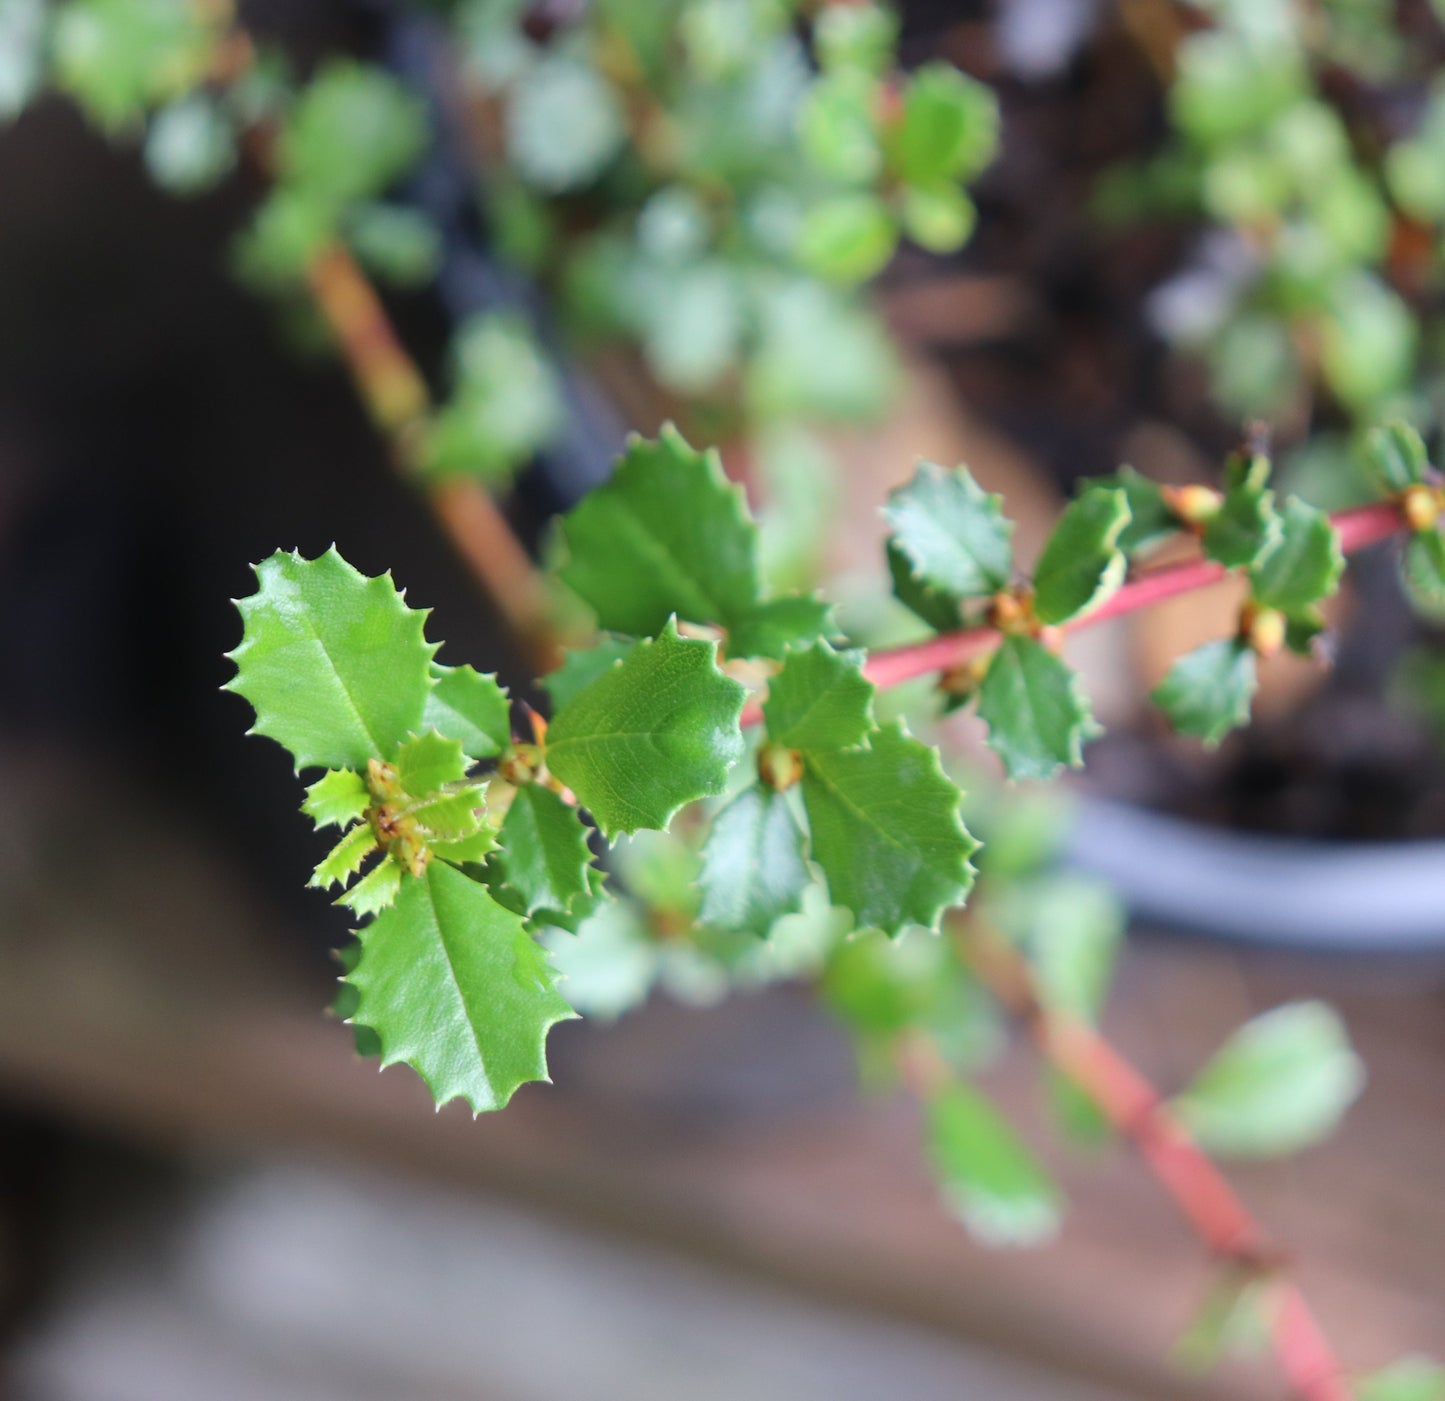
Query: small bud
(381,780)
(1010,612)
(779,767)
(1193,504)
(1420,505)
(965,678)
(521,764)
(1263,629)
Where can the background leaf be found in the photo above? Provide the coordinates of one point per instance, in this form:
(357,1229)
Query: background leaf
(1208,691)
(753,871)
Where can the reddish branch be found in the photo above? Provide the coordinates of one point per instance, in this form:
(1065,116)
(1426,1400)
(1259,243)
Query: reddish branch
(1198,1188)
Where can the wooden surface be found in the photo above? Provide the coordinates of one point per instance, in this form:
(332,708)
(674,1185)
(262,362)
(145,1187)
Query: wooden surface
(144,998)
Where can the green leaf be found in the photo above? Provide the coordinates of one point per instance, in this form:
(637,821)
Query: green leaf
(1422,570)
(427,763)
(987,1176)
(609,965)
(1082,563)
(353,132)
(544,855)
(345,859)
(952,534)
(581,666)
(1280,1083)
(950,126)
(190,145)
(753,870)
(668,534)
(1409,1379)
(376,890)
(334,664)
(657,730)
(1395,458)
(779,624)
(837,128)
(1305,564)
(1208,691)
(337,798)
(887,831)
(940,218)
(848,238)
(1151,522)
(468,705)
(564,124)
(819,700)
(859,37)
(1246,527)
(1035,710)
(941,611)
(399,245)
(456,988)
(23,33)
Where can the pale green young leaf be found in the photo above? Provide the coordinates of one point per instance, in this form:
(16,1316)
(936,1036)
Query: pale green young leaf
(655,731)
(609,965)
(336,798)
(1422,570)
(544,855)
(451,816)
(668,534)
(940,218)
(564,124)
(1208,692)
(1395,457)
(779,624)
(426,763)
(753,871)
(848,238)
(887,831)
(819,700)
(456,988)
(1037,715)
(1280,1083)
(334,664)
(1305,564)
(987,1176)
(1082,563)
(376,890)
(950,126)
(1409,1379)
(469,706)
(583,665)
(346,858)
(952,534)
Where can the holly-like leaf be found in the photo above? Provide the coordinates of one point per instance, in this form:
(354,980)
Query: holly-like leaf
(1082,564)
(1246,527)
(375,891)
(668,534)
(427,763)
(343,1005)
(943,612)
(655,731)
(753,870)
(1422,570)
(334,664)
(1305,564)
(455,987)
(1280,1083)
(952,534)
(986,1175)
(1395,458)
(582,666)
(1035,710)
(1151,522)
(336,798)
(819,700)
(1208,692)
(1409,1379)
(468,705)
(544,855)
(887,831)
(779,624)
(345,859)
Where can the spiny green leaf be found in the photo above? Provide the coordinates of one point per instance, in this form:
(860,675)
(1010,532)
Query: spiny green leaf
(334,664)
(1208,691)
(753,870)
(1409,1379)
(375,890)
(887,831)
(469,706)
(1279,1084)
(346,858)
(544,855)
(336,798)
(668,534)
(456,988)
(1246,527)
(1422,570)
(986,1175)
(1305,564)
(451,816)
(343,1005)
(1150,520)
(943,612)
(583,665)
(953,534)
(1395,457)
(427,763)
(778,624)
(820,700)
(1035,710)
(1082,563)
(655,731)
